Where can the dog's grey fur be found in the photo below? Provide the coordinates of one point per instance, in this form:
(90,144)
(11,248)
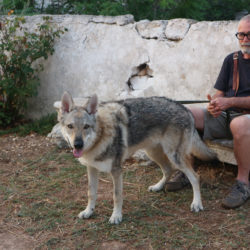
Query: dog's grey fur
(103,136)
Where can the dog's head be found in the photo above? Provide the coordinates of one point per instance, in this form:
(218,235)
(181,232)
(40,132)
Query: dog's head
(78,123)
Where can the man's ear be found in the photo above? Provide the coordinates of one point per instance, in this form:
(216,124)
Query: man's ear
(92,104)
(67,103)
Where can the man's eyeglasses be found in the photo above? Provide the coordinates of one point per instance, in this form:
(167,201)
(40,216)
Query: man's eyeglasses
(241,35)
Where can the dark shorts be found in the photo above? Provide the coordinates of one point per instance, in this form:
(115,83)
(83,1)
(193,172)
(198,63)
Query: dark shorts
(218,128)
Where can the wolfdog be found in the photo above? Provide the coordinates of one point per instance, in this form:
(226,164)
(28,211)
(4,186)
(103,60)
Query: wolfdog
(102,135)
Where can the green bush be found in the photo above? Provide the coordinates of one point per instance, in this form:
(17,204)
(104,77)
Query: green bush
(19,64)
(140,9)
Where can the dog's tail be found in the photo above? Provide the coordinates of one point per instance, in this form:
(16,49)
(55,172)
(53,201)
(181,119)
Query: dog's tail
(201,150)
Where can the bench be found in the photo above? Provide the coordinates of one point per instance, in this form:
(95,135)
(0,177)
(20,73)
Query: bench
(224,150)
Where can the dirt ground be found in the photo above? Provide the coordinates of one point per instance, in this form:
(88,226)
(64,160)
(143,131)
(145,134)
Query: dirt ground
(26,161)
(13,151)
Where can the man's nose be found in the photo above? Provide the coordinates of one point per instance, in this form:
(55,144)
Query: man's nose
(246,39)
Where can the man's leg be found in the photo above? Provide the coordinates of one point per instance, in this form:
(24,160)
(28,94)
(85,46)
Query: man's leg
(198,114)
(240,127)
(240,192)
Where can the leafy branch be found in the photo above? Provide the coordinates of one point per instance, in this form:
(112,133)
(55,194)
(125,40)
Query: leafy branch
(20,50)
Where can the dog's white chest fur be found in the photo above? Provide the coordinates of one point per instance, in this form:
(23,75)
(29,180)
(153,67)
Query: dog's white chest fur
(103,166)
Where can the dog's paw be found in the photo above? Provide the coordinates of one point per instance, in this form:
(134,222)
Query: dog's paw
(155,188)
(86,213)
(196,207)
(116,218)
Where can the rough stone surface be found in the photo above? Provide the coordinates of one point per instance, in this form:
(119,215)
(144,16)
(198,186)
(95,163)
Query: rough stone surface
(57,137)
(119,20)
(116,57)
(178,28)
(151,30)
(224,150)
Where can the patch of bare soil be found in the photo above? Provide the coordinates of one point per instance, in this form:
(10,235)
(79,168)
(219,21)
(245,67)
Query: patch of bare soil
(15,153)
(47,220)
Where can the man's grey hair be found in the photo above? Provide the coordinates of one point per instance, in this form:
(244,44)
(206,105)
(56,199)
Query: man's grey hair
(245,18)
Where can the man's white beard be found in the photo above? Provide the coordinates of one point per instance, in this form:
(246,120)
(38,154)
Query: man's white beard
(245,48)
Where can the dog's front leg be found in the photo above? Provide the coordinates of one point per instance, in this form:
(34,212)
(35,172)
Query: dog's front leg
(92,193)
(116,217)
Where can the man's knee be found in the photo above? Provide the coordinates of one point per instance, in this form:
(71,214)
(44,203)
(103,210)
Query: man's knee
(240,126)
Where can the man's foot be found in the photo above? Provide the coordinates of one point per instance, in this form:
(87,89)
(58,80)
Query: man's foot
(238,195)
(177,182)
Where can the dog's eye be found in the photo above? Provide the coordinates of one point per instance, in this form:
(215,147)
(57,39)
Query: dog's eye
(86,126)
(70,126)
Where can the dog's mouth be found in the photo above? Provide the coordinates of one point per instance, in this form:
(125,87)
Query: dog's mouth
(77,152)
(78,147)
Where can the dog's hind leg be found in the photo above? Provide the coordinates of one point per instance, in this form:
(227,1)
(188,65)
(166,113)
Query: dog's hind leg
(157,155)
(92,193)
(184,164)
(194,178)
(116,216)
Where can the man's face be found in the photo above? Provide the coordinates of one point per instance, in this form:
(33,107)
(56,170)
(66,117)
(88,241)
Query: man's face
(244,27)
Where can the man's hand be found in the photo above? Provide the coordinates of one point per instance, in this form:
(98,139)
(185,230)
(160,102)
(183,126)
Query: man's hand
(217,105)
(211,108)
(221,103)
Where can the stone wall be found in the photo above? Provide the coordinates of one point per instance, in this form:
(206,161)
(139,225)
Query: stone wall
(117,57)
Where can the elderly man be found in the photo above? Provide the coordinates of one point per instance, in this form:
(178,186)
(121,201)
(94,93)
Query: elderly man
(228,116)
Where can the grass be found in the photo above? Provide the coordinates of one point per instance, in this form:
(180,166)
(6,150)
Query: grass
(46,192)
(41,126)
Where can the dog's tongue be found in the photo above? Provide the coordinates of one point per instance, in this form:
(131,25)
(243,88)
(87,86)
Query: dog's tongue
(77,152)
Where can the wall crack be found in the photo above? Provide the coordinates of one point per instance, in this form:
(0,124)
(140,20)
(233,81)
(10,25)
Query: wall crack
(139,77)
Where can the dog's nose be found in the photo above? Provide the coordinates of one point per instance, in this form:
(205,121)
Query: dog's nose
(78,143)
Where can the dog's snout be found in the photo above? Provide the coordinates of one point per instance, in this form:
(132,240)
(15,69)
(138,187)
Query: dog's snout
(78,143)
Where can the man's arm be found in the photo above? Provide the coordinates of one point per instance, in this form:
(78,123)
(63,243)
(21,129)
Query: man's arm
(238,102)
(221,103)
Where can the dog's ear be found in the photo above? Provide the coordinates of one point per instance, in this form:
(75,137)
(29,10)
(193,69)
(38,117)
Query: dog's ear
(92,104)
(67,103)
